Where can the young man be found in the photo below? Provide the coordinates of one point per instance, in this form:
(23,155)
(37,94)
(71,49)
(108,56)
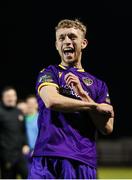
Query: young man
(73,105)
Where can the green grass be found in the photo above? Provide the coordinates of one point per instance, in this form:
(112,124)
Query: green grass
(115,173)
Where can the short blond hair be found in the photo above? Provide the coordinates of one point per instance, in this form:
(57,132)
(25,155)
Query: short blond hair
(67,23)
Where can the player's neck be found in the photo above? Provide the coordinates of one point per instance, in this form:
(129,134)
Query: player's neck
(76,64)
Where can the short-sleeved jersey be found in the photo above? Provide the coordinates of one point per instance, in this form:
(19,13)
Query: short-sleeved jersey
(69,135)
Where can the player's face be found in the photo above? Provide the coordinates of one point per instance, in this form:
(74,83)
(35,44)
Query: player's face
(9,98)
(69,43)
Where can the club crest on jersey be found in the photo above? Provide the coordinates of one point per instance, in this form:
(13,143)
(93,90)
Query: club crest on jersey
(87,81)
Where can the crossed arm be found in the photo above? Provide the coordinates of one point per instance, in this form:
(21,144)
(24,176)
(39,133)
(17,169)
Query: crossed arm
(101,114)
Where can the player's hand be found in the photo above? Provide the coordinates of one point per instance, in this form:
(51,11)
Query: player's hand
(105,109)
(73,81)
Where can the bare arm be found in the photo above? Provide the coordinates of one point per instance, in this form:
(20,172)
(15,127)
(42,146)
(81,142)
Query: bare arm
(103,121)
(103,115)
(55,101)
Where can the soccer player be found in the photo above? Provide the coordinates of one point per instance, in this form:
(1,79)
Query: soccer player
(73,105)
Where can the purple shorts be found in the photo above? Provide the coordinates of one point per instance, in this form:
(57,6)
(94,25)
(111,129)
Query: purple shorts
(60,168)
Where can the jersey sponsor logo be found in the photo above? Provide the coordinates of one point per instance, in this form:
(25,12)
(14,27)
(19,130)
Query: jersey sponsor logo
(46,78)
(87,81)
(68,91)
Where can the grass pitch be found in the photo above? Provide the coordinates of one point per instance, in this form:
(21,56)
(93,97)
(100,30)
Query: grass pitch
(115,172)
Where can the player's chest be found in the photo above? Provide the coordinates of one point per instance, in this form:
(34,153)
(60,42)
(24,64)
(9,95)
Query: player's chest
(88,84)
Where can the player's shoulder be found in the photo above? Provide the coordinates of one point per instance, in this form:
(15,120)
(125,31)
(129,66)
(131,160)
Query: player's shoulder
(96,80)
(49,68)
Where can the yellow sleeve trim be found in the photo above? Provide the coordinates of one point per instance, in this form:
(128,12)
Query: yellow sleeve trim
(46,84)
(42,70)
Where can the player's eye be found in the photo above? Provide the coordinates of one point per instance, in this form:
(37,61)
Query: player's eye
(61,38)
(72,36)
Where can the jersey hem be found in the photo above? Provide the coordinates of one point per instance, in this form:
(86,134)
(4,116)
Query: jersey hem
(65,156)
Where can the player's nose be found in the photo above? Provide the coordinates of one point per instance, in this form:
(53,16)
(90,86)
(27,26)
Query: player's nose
(67,40)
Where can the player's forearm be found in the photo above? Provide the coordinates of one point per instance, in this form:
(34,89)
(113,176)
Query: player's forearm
(84,97)
(65,104)
(109,125)
(103,122)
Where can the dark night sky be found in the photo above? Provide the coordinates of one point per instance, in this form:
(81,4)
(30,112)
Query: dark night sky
(27,45)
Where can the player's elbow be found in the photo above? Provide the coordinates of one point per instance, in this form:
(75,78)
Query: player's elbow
(106,130)
(51,103)
(51,100)
(48,104)
(109,127)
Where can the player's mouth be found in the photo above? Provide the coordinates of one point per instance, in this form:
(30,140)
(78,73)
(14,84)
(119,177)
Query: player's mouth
(68,51)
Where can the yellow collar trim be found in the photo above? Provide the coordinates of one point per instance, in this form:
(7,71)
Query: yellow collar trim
(80,70)
(62,66)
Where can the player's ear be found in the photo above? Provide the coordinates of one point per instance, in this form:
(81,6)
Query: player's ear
(84,43)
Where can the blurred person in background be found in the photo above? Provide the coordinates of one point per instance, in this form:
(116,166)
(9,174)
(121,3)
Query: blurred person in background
(22,106)
(29,108)
(31,120)
(13,142)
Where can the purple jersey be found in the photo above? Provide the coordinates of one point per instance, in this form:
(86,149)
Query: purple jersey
(69,135)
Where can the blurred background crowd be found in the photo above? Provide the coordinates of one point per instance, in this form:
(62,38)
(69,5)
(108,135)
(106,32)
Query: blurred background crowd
(18,132)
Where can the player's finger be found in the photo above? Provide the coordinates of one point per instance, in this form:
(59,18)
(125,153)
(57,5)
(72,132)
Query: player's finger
(70,77)
(71,80)
(69,74)
(90,99)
